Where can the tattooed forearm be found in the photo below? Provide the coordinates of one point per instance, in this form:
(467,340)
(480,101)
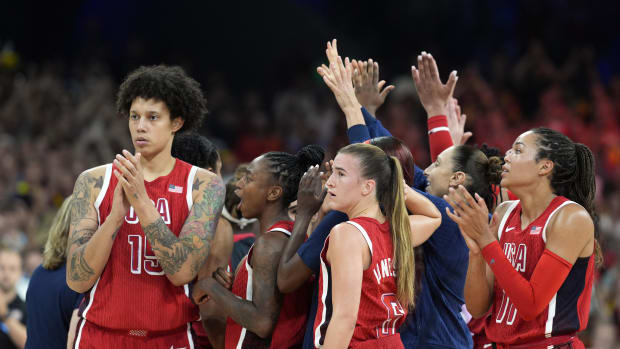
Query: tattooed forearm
(80,270)
(82,236)
(189,250)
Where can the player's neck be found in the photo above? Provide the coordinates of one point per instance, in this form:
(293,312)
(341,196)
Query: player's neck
(366,208)
(534,201)
(158,165)
(271,215)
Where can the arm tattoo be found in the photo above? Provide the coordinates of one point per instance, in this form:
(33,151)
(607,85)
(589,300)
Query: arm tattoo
(80,270)
(196,235)
(82,225)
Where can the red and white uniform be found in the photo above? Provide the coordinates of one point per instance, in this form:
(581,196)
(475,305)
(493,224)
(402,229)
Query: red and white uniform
(291,323)
(567,312)
(380,313)
(133,297)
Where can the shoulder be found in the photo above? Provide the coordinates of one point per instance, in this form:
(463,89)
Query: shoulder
(573,221)
(207,181)
(91,181)
(502,208)
(269,242)
(346,235)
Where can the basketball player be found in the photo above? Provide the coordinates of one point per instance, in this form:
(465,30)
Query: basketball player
(361,302)
(142,227)
(197,150)
(259,316)
(533,265)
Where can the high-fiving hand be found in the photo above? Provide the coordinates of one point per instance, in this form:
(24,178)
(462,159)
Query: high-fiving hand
(370,92)
(434,95)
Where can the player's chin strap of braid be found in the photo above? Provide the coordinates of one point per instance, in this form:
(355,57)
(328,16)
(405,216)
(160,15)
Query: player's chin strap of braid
(241,222)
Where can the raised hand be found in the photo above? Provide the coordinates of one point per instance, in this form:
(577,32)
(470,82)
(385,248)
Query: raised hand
(434,95)
(311,192)
(338,77)
(131,177)
(456,123)
(370,92)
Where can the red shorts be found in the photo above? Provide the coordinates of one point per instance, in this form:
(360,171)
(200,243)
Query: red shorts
(92,336)
(389,342)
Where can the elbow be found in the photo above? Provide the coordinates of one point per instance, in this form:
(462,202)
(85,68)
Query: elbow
(264,328)
(436,222)
(78,287)
(284,284)
(180,280)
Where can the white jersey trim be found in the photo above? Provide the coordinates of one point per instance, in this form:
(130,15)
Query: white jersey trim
(104,190)
(325,276)
(511,208)
(190,184)
(550,316)
(544,232)
(91,298)
(190,340)
(248,296)
(79,335)
(282,230)
(364,234)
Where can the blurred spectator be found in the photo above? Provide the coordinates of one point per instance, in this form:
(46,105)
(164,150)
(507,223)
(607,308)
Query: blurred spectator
(12,308)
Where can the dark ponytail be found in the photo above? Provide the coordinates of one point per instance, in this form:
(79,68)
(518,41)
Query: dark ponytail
(287,169)
(482,172)
(573,171)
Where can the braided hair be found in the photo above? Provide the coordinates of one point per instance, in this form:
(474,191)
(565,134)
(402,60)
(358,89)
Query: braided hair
(288,169)
(573,171)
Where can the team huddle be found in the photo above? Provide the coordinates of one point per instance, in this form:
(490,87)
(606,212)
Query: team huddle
(365,250)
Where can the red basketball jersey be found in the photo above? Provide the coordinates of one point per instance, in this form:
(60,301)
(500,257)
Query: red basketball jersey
(132,292)
(291,324)
(567,311)
(380,313)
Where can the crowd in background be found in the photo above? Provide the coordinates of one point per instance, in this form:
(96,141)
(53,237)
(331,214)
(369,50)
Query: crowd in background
(56,121)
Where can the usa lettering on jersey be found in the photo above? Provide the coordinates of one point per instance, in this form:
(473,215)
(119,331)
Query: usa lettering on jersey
(162,207)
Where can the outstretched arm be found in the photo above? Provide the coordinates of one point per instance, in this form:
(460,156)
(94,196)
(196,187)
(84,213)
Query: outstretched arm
(261,313)
(338,77)
(89,244)
(435,98)
(180,257)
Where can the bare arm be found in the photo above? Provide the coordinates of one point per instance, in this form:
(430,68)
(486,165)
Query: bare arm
(346,257)
(89,244)
(180,257)
(72,329)
(261,313)
(425,217)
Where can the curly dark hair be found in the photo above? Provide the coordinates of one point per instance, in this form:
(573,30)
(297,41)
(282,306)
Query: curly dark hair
(195,149)
(287,169)
(169,84)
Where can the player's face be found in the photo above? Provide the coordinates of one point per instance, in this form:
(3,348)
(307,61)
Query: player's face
(521,167)
(253,188)
(345,184)
(439,173)
(150,126)
(10,270)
